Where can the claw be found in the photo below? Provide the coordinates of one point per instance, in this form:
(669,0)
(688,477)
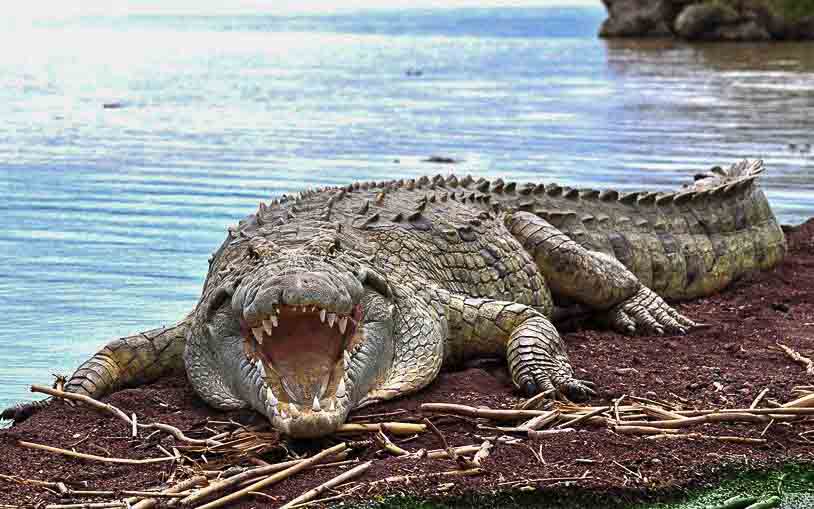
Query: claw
(577,390)
(701,326)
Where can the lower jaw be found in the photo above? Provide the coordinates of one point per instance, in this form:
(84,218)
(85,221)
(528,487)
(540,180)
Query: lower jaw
(310,425)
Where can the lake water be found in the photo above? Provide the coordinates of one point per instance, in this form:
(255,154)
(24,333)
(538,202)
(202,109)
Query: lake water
(109,215)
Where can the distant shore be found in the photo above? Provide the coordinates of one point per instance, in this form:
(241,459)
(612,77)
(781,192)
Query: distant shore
(710,20)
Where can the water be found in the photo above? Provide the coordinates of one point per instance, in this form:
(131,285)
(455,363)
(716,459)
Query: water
(109,215)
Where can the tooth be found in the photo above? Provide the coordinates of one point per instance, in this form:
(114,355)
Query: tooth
(274,321)
(295,411)
(271,397)
(331,319)
(340,389)
(315,407)
(283,415)
(332,406)
(322,314)
(343,324)
(268,327)
(346,359)
(313,308)
(258,334)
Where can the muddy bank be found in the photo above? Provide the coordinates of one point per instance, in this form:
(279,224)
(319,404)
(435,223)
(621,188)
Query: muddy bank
(726,365)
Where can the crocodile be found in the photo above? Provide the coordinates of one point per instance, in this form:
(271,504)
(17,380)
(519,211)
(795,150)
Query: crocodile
(333,299)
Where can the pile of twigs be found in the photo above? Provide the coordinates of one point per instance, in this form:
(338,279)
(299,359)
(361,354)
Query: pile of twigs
(631,415)
(230,463)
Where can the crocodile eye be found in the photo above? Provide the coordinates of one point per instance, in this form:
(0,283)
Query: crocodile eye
(374,280)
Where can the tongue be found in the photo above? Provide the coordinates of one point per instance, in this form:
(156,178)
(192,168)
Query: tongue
(304,352)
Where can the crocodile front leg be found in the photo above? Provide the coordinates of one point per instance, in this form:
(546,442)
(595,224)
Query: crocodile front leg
(595,279)
(124,362)
(533,348)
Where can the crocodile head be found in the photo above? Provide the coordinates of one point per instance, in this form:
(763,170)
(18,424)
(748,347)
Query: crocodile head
(302,340)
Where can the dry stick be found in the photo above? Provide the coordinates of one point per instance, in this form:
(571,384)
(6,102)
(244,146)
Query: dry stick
(106,407)
(150,503)
(616,407)
(736,440)
(653,411)
(654,402)
(792,408)
(759,398)
(376,416)
(30,482)
(396,428)
(701,419)
(540,421)
(487,413)
(482,453)
(547,432)
(440,453)
(409,478)
(92,457)
(327,499)
(94,505)
(279,476)
(642,430)
(532,402)
(799,359)
(806,402)
(245,477)
(388,446)
(462,461)
(315,467)
(577,420)
(336,481)
(542,479)
(119,493)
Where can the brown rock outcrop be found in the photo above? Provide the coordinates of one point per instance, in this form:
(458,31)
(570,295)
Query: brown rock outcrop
(747,20)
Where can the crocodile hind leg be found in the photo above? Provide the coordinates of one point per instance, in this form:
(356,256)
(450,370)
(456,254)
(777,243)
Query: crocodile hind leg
(533,348)
(124,362)
(595,279)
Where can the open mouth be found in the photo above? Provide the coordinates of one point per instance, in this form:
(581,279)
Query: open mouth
(303,354)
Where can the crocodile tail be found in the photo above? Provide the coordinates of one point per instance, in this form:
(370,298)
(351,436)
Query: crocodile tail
(124,362)
(717,176)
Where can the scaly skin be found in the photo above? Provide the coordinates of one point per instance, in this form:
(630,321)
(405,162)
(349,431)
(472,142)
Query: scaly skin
(338,298)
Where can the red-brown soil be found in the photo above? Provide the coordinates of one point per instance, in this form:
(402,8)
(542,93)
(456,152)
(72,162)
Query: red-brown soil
(726,365)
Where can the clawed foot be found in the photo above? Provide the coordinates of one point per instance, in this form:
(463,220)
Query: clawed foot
(574,390)
(647,313)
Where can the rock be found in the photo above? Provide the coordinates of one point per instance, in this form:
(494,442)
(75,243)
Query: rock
(747,31)
(780,306)
(704,20)
(440,160)
(792,30)
(637,18)
(698,20)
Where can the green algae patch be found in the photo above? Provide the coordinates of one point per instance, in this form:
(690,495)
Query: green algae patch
(791,487)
